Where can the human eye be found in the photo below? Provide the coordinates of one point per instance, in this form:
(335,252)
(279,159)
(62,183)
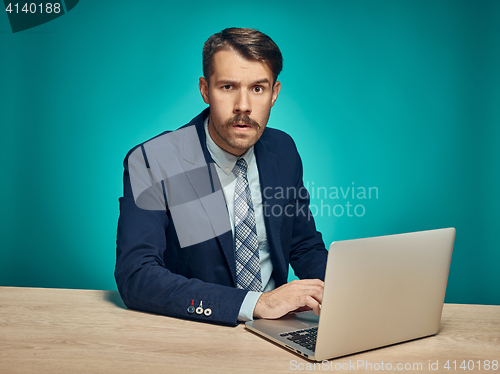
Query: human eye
(227,87)
(258,89)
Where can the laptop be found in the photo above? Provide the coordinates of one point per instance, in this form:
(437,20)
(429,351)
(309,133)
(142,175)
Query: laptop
(378,291)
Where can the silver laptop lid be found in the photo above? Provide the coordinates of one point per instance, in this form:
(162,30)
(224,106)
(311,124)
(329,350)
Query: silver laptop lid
(383,290)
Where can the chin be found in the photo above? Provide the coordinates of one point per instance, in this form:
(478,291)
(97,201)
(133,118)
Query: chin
(247,143)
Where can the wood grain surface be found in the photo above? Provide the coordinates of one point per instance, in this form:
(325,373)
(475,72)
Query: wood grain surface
(86,331)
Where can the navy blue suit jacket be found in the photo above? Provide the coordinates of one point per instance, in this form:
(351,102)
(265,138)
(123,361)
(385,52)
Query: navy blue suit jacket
(155,274)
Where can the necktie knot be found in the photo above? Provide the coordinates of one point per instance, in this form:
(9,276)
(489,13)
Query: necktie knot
(241,168)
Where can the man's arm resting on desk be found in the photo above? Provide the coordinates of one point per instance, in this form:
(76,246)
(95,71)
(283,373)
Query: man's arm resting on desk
(154,274)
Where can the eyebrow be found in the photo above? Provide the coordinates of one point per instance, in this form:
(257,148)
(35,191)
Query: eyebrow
(263,80)
(233,83)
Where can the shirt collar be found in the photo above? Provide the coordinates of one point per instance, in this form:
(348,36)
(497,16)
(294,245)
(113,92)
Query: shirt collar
(223,159)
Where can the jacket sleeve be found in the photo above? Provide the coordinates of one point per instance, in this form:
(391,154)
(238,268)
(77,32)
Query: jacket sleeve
(143,278)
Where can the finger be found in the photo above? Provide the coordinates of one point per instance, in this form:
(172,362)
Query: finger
(313,304)
(306,284)
(315,292)
(309,282)
(302,309)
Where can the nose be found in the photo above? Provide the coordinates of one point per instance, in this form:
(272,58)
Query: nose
(242,104)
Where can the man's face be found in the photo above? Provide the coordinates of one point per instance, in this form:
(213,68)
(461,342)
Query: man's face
(240,95)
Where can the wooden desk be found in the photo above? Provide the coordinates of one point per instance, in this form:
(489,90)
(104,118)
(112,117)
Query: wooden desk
(80,331)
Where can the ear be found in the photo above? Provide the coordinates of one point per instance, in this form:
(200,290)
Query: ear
(203,85)
(276,91)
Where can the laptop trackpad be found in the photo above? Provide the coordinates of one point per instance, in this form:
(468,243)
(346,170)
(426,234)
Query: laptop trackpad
(290,322)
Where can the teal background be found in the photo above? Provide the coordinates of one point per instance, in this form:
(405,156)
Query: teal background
(399,95)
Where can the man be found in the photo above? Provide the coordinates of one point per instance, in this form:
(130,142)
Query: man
(206,231)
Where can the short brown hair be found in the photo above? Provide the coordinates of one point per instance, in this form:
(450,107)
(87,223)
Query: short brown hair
(248,43)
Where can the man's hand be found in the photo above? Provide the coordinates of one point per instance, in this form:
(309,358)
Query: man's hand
(306,293)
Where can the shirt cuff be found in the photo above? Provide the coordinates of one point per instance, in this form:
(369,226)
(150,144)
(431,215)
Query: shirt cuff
(248,305)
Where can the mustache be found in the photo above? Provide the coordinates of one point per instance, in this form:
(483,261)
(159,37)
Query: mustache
(242,117)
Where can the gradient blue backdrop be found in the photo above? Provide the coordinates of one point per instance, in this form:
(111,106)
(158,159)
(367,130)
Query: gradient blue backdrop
(399,95)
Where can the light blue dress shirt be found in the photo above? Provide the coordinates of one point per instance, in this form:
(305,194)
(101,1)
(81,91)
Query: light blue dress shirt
(225,163)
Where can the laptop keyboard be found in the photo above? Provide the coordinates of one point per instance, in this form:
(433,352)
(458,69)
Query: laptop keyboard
(305,338)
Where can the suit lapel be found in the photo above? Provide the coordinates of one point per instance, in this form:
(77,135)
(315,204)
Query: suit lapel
(269,178)
(225,240)
(267,163)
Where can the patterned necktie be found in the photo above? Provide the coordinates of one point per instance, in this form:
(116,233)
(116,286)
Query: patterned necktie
(245,233)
